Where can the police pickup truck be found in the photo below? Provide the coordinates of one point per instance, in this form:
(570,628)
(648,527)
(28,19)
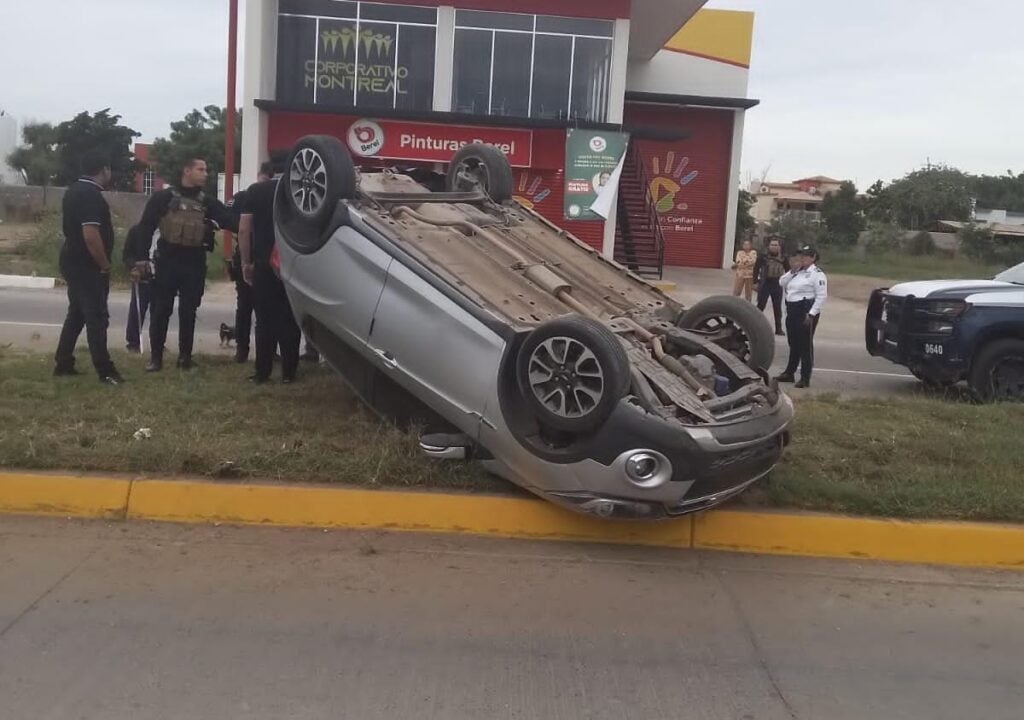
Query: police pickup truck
(946,331)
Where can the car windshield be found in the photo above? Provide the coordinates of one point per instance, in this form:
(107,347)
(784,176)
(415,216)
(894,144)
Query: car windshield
(1014,275)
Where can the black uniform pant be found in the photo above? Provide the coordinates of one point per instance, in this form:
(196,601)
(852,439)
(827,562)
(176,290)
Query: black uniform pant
(243,315)
(801,338)
(88,290)
(184,277)
(137,313)
(275,326)
(769,289)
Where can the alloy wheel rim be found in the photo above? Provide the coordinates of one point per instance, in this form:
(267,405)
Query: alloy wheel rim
(307,181)
(566,377)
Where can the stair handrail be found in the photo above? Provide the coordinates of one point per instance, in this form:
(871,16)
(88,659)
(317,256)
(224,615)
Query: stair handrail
(654,220)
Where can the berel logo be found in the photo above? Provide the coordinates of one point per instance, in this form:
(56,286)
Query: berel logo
(365,138)
(598,144)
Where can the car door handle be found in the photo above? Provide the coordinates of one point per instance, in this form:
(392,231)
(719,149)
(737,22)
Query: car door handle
(388,358)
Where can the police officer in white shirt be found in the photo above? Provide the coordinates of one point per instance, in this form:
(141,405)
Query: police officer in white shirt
(806,289)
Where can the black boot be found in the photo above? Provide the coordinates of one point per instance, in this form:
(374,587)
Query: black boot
(155,364)
(185,362)
(242,354)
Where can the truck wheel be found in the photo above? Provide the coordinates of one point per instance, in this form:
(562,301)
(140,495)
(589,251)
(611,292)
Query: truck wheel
(997,373)
(572,372)
(735,325)
(481,166)
(320,173)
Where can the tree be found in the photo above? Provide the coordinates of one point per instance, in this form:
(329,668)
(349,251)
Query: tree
(877,207)
(38,156)
(795,231)
(200,134)
(744,220)
(924,197)
(843,216)
(1003,192)
(101,131)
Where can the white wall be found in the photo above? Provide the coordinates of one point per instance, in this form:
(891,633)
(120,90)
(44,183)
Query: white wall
(8,143)
(675,73)
(258,49)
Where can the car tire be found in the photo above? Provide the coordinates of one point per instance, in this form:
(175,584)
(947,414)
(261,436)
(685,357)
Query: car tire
(572,371)
(319,174)
(997,372)
(482,166)
(751,339)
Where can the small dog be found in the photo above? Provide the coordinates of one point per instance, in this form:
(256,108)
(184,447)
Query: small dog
(227,335)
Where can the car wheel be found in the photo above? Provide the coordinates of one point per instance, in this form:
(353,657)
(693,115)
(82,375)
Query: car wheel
(735,325)
(572,371)
(997,373)
(320,173)
(484,167)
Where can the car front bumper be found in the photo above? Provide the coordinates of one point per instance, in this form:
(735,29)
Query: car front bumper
(704,466)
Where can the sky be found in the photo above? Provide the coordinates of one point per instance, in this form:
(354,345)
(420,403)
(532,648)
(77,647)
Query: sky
(859,90)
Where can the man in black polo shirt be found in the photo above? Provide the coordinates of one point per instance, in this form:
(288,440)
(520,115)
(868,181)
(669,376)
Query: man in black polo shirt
(243,290)
(275,324)
(85,266)
(182,213)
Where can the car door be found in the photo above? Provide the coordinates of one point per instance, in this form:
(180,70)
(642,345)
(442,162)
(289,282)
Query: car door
(340,285)
(435,348)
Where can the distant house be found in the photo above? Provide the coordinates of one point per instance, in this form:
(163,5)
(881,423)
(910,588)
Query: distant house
(802,198)
(1005,230)
(147,180)
(998,217)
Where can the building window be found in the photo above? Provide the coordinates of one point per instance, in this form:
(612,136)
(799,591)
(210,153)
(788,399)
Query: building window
(535,66)
(347,54)
(147,181)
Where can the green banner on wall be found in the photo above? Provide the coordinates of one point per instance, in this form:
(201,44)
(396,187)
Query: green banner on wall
(591,158)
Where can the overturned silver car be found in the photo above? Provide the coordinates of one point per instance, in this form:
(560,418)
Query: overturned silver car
(507,341)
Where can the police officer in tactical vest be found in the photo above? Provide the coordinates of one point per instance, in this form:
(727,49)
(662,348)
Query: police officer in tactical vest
(183,214)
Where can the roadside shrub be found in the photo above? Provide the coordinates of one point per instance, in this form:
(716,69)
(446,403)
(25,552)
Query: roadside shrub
(883,237)
(977,242)
(920,244)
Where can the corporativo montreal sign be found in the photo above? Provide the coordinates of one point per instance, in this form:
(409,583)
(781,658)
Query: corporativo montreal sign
(398,140)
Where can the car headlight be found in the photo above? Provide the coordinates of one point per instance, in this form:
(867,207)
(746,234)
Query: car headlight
(948,308)
(940,327)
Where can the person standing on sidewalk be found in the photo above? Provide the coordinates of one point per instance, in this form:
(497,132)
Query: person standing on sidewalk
(771,266)
(275,323)
(746,259)
(85,266)
(806,290)
(183,214)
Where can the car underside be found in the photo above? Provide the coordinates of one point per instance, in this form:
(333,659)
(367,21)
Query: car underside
(596,365)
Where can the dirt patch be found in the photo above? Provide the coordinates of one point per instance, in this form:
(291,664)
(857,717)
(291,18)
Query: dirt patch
(855,288)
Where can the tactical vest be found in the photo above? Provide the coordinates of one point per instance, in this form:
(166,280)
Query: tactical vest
(184,223)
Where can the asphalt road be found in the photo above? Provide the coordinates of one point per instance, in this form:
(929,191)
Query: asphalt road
(32,319)
(110,621)
(841,363)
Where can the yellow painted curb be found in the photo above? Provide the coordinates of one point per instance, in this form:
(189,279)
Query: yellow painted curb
(665,286)
(184,501)
(78,496)
(779,533)
(942,543)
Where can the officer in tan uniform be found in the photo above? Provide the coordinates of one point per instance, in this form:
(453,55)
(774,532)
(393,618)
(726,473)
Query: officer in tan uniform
(185,216)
